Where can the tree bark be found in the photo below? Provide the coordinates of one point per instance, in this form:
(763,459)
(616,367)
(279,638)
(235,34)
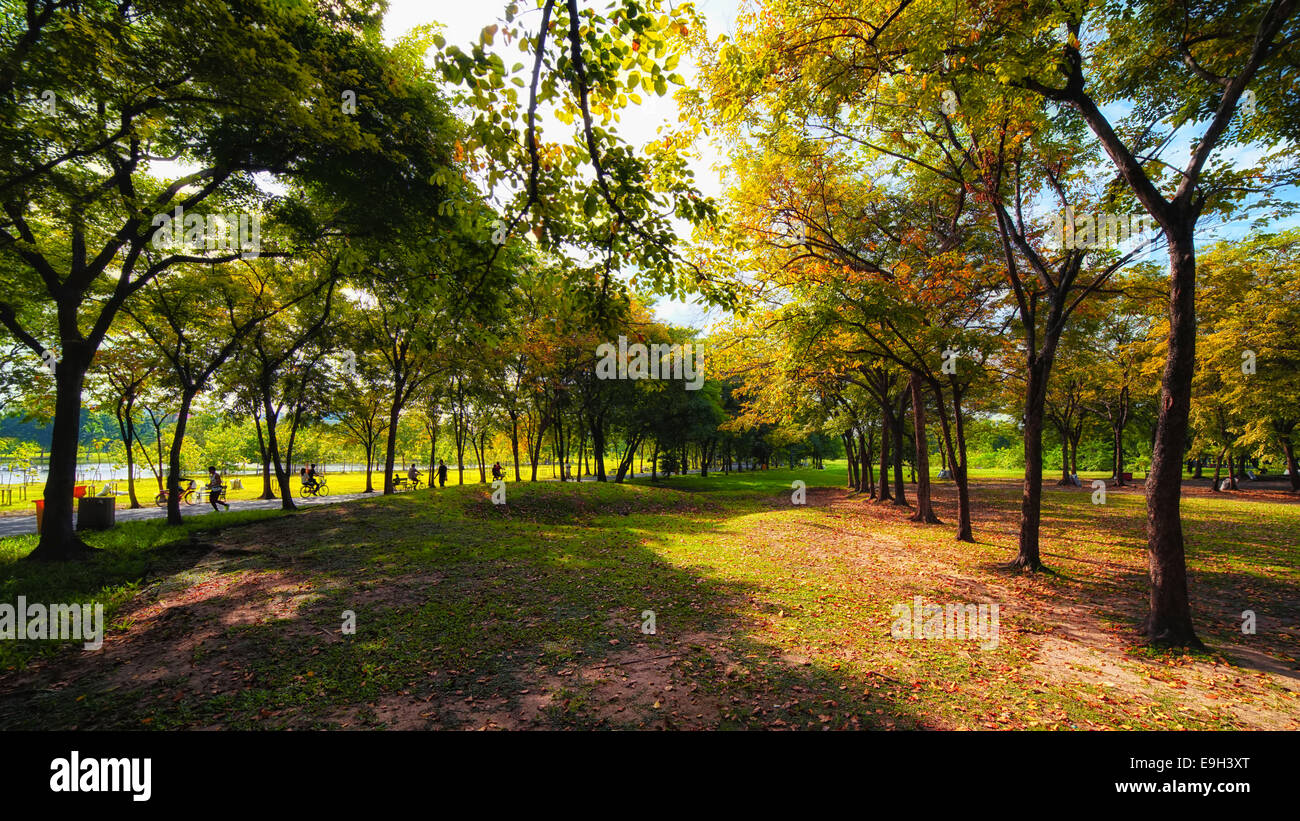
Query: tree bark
(1031,500)
(924,511)
(900,498)
(174,460)
(1169,621)
(59,541)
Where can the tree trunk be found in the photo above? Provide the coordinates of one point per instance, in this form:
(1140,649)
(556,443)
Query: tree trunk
(1169,621)
(900,499)
(1032,498)
(174,460)
(1288,449)
(883,494)
(924,510)
(267,492)
(390,450)
(127,428)
(1118,446)
(370,465)
(59,540)
(1064,481)
(864,461)
(514,443)
(273,447)
(853,480)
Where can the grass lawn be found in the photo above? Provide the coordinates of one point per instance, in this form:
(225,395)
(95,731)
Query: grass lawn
(767,614)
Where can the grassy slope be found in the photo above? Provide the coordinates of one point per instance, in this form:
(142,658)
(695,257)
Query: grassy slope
(768,615)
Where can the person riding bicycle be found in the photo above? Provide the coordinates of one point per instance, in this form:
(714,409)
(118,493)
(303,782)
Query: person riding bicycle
(413,475)
(497,471)
(215,487)
(309,479)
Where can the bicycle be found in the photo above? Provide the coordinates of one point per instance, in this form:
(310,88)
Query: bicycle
(321,488)
(189,496)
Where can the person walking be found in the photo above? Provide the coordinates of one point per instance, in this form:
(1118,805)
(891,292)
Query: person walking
(442,473)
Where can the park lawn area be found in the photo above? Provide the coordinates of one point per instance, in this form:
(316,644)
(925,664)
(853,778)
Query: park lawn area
(767,614)
(339,484)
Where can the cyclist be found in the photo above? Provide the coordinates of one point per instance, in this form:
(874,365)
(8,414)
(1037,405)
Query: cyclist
(215,487)
(308,476)
(413,475)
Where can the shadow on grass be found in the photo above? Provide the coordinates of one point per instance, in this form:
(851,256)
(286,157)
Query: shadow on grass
(465,615)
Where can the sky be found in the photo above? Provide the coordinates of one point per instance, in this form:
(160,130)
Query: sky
(464,19)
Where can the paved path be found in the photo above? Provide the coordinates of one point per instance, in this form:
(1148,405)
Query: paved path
(22,525)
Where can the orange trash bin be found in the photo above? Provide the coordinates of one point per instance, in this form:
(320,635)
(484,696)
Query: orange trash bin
(40,514)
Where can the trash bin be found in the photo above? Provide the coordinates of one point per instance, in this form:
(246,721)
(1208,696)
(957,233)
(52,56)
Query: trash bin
(96,512)
(40,514)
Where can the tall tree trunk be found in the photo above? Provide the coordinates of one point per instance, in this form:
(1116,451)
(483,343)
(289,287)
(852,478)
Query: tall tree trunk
(59,541)
(900,498)
(126,426)
(883,492)
(1117,446)
(1169,621)
(1065,458)
(1288,449)
(854,482)
(954,443)
(174,460)
(514,442)
(267,492)
(868,464)
(370,464)
(864,461)
(273,447)
(1032,498)
(390,449)
(598,448)
(924,510)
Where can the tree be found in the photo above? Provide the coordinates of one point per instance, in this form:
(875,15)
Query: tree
(124,369)
(131,88)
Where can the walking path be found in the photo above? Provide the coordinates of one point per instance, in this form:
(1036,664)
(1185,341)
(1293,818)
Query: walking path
(23,525)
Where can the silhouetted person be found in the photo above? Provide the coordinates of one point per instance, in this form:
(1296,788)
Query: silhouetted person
(442,473)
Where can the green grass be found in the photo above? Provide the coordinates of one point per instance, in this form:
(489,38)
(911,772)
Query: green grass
(768,614)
